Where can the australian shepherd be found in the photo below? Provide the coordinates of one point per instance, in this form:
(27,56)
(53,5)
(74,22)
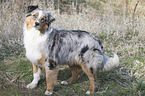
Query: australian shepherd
(45,46)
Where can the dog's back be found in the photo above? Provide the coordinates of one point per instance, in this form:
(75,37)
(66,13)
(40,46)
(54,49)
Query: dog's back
(69,46)
(77,47)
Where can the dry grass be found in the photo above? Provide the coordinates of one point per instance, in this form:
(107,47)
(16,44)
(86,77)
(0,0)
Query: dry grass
(126,37)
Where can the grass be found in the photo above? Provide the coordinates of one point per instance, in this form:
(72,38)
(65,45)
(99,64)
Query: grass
(16,73)
(126,37)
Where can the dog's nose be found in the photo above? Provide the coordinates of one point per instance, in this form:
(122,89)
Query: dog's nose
(36,23)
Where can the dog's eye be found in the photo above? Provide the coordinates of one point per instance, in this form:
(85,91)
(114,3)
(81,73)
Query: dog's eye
(34,17)
(42,20)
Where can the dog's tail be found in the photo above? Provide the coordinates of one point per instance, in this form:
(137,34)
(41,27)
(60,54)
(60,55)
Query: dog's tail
(110,63)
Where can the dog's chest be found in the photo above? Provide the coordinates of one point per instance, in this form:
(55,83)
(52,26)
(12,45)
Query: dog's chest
(35,45)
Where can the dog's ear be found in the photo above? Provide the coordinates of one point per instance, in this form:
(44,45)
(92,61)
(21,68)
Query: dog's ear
(31,8)
(50,18)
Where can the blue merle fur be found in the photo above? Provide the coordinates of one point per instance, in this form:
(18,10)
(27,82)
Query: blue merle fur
(69,46)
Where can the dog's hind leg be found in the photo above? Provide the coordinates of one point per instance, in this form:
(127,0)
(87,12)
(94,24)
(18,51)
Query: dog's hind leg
(91,78)
(76,70)
(75,74)
(36,77)
(95,74)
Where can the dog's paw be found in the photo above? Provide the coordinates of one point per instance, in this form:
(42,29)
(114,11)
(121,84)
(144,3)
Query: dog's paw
(88,92)
(31,86)
(48,93)
(64,82)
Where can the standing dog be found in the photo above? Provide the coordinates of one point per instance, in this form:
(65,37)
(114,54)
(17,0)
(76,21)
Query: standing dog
(48,47)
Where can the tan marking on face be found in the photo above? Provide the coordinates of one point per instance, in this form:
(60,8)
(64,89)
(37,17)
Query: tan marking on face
(42,17)
(30,22)
(43,25)
(36,14)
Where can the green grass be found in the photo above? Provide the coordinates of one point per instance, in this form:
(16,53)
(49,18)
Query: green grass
(16,73)
(122,36)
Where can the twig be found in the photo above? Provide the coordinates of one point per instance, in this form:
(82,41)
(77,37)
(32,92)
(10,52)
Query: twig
(135,9)
(6,77)
(25,74)
(4,87)
(14,79)
(58,94)
(103,91)
(124,8)
(139,94)
(120,82)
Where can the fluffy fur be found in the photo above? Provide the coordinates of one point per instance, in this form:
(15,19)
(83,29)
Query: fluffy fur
(45,46)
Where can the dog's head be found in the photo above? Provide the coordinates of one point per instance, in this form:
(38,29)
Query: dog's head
(39,19)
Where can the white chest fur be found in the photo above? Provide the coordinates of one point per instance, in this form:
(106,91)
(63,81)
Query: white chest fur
(35,45)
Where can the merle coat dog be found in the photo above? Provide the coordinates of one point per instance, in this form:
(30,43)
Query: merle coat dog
(45,46)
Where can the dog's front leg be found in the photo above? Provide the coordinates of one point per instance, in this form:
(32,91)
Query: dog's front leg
(51,78)
(36,77)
